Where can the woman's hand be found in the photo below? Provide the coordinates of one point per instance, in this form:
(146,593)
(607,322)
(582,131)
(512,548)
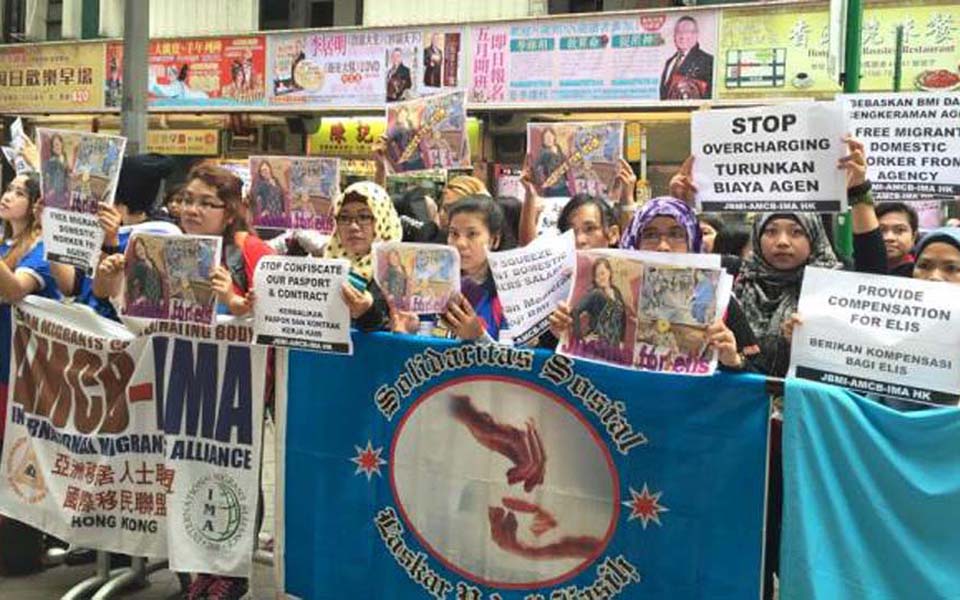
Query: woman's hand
(108,280)
(463,320)
(681,184)
(222,285)
(357,302)
(854,163)
(402,321)
(721,339)
(625,185)
(110,221)
(561,321)
(790,325)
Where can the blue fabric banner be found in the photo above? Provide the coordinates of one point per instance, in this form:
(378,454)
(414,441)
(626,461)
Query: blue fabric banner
(431,469)
(871,498)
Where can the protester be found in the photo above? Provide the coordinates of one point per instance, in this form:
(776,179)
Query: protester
(592,221)
(459,187)
(172,204)
(899,226)
(938,256)
(710,227)
(364,215)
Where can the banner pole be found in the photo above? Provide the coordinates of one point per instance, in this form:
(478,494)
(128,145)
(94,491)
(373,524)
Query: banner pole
(843,237)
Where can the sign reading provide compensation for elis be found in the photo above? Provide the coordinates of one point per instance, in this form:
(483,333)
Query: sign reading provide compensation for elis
(913,143)
(890,336)
(770,158)
(301,304)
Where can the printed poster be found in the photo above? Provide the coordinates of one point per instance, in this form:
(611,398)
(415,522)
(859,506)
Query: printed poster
(891,336)
(428,133)
(288,192)
(912,143)
(167,277)
(646,311)
(668,56)
(125,460)
(51,77)
(218,72)
(574,158)
(417,278)
(14,153)
(78,171)
(421,63)
(302,305)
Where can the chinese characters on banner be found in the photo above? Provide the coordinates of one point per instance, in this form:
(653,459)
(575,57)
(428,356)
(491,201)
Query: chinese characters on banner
(60,77)
(187,142)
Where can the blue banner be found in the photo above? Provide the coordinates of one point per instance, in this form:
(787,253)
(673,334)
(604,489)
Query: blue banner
(871,498)
(429,469)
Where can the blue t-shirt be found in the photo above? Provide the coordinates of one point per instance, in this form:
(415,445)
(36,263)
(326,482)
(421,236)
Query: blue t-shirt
(33,264)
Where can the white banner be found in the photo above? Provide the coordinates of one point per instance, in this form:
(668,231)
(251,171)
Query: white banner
(770,158)
(912,143)
(890,336)
(300,303)
(135,444)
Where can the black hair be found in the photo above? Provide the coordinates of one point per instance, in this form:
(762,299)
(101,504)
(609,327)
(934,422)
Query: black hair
(484,206)
(686,18)
(892,207)
(711,220)
(607,218)
(731,240)
(511,221)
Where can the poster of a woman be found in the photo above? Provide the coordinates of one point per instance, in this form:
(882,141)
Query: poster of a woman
(268,196)
(602,314)
(146,293)
(549,162)
(56,174)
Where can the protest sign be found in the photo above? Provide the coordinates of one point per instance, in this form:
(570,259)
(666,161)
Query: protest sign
(143,445)
(646,310)
(596,60)
(480,471)
(168,277)
(912,143)
(417,278)
(288,192)
(892,336)
(14,153)
(78,171)
(531,281)
(770,158)
(574,158)
(509,181)
(428,133)
(301,303)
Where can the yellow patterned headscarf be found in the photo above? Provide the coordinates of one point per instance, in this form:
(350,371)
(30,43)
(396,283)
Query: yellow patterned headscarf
(386,225)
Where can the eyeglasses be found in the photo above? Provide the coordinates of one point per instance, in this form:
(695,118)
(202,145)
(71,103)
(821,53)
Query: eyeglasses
(203,202)
(362,219)
(651,238)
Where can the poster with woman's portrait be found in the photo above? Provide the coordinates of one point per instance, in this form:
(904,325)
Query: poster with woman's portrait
(78,170)
(167,277)
(417,278)
(428,133)
(288,192)
(574,158)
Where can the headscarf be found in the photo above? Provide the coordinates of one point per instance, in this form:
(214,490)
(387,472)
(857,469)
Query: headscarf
(769,296)
(386,225)
(664,206)
(947,235)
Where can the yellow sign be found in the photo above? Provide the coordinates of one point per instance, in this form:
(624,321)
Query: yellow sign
(633,133)
(783,51)
(353,137)
(51,77)
(189,142)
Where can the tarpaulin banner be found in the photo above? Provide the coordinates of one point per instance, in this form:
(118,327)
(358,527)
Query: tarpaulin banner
(135,444)
(434,469)
(868,496)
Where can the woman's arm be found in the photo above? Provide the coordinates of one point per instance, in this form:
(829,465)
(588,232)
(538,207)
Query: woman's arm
(14,287)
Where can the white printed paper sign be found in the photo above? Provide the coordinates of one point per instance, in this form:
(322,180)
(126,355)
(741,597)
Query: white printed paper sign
(889,336)
(145,445)
(912,143)
(532,280)
(771,158)
(300,303)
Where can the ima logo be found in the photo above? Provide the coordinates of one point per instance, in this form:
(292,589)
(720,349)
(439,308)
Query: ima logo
(24,474)
(215,512)
(196,396)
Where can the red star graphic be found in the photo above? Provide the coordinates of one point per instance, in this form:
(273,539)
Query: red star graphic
(368,460)
(645,506)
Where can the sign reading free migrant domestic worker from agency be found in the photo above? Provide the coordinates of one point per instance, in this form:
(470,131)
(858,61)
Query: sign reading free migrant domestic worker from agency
(912,143)
(890,336)
(770,158)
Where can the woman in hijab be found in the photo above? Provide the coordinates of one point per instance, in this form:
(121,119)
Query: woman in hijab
(364,215)
(938,256)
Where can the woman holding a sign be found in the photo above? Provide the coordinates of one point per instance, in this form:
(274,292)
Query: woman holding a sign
(938,256)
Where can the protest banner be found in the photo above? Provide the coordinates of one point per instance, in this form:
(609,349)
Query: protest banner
(595,60)
(289,192)
(646,310)
(912,143)
(201,73)
(167,277)
(428,133)
(302,303)
(142,445)
(770,158)
(574,158)
(78,171)
(892,336)
(892,482)
(417,278)
(531,281)
(482,471)
(51,77)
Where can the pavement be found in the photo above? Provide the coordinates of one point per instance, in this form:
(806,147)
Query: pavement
(163,585)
